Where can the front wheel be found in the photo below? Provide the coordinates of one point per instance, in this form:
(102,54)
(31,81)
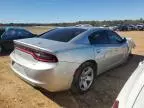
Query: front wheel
(83,78)
(130,54)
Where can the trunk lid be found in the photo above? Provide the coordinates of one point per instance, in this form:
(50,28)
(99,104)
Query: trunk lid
(39,44)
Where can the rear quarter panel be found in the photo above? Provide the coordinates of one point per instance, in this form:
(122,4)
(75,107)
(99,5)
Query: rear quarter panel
(78,55)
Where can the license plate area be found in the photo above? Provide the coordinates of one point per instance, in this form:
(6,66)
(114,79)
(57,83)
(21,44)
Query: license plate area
(19,68)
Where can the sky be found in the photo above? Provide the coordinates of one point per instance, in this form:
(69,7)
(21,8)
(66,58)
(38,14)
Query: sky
(55,11)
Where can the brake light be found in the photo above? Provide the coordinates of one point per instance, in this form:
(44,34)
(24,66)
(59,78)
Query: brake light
(45,57)
(116,104)
(38,55)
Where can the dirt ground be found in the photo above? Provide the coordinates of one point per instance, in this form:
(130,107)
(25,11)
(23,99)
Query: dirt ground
(15,93)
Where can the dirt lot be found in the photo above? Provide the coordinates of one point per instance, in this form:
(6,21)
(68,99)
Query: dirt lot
(15,93)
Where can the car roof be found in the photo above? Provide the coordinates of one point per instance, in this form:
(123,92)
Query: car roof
(83,37)
(86,28)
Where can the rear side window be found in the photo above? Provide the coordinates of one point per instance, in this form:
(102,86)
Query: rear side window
(62,34)
(99,37)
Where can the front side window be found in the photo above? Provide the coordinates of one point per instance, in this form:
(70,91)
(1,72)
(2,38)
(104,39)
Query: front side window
(99,37)
(114,38)
(62,34)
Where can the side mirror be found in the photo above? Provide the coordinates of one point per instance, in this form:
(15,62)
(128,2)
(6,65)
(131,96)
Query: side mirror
(124,40)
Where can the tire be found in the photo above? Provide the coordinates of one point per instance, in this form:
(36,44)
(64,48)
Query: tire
(1,48)
(8,46)
(83,78)
(130,55)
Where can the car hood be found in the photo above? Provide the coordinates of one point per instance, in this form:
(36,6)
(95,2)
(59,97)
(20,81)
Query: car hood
(47,45)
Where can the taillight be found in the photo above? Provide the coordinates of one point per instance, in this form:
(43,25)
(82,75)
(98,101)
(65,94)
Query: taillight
(45,57)
(116,104)
(38,55)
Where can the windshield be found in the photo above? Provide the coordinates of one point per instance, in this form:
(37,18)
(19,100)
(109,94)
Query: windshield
(62,34)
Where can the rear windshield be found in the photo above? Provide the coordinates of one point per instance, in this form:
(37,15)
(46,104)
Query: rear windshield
(62,34)
(1,32)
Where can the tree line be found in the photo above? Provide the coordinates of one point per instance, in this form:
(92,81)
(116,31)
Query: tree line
(93,23)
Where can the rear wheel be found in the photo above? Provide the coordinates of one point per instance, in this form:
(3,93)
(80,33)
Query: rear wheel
(84,78)
(1,48)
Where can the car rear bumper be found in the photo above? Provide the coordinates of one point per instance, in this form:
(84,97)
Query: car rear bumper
(56,78)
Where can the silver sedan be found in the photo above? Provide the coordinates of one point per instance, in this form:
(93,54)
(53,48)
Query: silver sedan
(69,57)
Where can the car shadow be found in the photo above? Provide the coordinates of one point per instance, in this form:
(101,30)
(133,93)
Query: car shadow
(104,91)
(5,53)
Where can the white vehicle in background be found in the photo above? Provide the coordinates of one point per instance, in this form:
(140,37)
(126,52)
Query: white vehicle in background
(132,94)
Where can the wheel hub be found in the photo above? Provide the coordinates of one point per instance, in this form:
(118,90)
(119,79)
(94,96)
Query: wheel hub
(86,78)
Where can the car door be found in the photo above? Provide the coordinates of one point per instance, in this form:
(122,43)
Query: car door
(100,42)
(119,48)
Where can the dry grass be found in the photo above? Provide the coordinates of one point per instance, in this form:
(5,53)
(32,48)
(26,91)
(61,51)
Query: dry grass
(138,37)
(15,93)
